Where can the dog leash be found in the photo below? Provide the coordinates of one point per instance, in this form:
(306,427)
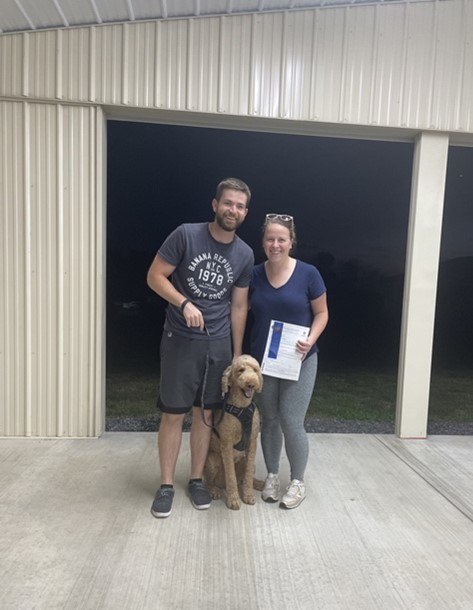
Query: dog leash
(245,416)
(213,425)
(204,384)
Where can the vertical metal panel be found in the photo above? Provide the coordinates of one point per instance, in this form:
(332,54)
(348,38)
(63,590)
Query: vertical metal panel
(453,93)
(97,190)
(234,65)
(266,65)
(203,62)
(107,60)
(40,57)
(387,83)
(11,50)
(359,50)
(73,64)
(12,270)
(41,253)
(420,59)
(329,54)
(50,336)
(139,64)
(78,272)
(297,73)
(464,110)
(171,65)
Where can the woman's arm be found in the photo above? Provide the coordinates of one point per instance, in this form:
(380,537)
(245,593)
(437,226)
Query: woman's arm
(320,311)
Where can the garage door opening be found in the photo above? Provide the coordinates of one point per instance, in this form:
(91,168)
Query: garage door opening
(350,201)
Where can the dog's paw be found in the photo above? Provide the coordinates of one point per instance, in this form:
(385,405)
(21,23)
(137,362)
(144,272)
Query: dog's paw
(216,493)
(233,502)
(258,484)
(249,498)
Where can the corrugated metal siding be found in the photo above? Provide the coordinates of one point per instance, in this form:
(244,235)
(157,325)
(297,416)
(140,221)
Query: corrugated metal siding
(12,269)
(51,270)
(399,65)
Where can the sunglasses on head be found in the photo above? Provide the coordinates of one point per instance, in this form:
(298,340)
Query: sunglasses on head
(283,217)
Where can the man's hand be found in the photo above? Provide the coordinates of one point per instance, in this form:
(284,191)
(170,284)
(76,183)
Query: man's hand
(193,316)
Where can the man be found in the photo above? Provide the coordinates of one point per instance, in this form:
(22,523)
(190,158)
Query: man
(210,270)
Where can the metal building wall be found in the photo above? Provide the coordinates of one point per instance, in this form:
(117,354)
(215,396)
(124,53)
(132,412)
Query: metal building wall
(51,270)
(403,66)
(397,65)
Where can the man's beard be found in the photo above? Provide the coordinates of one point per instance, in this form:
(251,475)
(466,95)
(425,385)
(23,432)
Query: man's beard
(221,221)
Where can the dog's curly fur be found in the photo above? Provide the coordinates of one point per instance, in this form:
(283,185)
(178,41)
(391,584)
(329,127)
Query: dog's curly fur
(225,466)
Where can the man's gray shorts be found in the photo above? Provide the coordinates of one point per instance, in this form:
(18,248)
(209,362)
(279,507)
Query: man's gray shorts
(187,365)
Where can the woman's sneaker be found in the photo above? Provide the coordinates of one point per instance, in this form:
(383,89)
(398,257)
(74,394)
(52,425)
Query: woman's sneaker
(294,495)
(271,488)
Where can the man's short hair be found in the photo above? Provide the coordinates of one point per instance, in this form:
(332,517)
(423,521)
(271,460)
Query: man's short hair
(236,185)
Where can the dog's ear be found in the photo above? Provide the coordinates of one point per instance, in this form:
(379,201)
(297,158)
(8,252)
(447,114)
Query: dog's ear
(225,379)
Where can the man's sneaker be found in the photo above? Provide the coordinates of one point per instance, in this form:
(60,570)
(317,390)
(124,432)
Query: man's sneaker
(199,495)
(294,495)
(271,488)
(162,503)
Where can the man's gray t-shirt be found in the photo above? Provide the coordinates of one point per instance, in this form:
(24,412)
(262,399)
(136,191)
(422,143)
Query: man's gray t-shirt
(206,271)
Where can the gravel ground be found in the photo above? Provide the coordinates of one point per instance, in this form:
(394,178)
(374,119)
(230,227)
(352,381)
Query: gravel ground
(312,424)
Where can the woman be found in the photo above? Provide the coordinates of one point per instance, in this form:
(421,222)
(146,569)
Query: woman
(289,290)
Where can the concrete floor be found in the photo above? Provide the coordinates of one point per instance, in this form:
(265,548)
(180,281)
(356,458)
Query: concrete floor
(386,524)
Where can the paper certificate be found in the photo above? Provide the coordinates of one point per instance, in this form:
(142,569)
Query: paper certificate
(281,358)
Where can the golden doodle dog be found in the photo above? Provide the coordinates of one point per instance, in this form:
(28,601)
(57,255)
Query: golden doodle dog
(232,451)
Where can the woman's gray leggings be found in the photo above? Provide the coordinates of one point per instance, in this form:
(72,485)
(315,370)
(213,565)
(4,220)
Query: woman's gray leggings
(283,406)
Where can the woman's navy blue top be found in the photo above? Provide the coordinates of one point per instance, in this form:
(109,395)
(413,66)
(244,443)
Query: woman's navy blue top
(288,303)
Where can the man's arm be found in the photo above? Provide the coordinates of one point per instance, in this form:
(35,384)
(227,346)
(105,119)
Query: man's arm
(239,313)
(158,280)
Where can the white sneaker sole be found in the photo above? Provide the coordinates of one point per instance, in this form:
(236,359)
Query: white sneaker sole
(270,499)
(160,515)
(200,506)
(286,507)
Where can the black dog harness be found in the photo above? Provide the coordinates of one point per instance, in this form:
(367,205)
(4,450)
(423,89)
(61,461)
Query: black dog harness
(245,416)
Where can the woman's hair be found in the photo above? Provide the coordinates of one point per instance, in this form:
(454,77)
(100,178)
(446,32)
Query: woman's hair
(285,220)
(236,185)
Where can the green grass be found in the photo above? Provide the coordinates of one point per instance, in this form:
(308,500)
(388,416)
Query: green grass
(451,396)
(131,394)
(355,395)
(362,395)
